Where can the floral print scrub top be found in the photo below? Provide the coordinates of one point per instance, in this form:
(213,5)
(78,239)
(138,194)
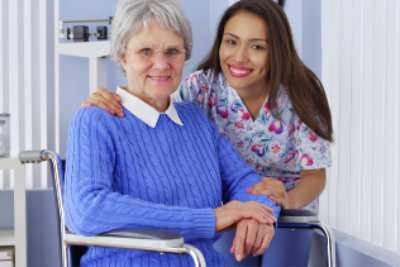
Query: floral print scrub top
(275,148)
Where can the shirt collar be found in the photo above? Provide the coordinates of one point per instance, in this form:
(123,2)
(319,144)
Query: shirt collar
(144,111)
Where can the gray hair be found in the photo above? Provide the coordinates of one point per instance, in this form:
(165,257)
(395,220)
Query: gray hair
(132,15)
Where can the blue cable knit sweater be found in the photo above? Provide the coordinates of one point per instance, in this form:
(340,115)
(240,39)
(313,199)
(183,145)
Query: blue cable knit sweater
(121,173)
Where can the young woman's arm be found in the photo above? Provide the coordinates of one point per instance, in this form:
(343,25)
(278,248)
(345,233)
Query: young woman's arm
(310,187)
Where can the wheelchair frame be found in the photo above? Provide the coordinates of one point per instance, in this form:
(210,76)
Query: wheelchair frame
(140,239)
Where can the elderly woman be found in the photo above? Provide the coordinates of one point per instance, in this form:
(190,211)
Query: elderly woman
(163,165)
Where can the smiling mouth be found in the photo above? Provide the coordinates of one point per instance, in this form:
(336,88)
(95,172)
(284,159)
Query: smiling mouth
(239,71)
(159,78)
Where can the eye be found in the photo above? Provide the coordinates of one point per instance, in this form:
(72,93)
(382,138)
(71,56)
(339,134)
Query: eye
(172,52)
(258,47)
(230,42)
(146,52)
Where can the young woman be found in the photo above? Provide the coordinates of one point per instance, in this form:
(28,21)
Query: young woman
(264,100)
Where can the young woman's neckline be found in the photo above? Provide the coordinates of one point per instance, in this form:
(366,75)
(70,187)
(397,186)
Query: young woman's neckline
(256,99)
(254,114)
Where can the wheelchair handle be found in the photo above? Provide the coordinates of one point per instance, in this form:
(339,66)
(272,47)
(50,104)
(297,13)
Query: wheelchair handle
(32,156)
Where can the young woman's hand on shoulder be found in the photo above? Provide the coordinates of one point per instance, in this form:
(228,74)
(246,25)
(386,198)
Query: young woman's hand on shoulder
(106,100)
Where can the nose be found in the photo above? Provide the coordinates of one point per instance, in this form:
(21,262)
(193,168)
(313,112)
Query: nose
(160,61)
(241,54)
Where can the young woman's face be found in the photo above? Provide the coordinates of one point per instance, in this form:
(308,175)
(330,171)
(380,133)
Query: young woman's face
(244,51)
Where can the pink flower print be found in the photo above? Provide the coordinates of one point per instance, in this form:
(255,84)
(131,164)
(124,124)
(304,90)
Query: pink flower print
(211,101)
(276,127)
(305,160)
(292,129)
(270,107)
(194,80)
(259,149)
(244,115)
(239,125)
(266,111)
(290,156)
(223,134)
(205,88)
(200,96)
(222,110)
(313,136)
(275,148)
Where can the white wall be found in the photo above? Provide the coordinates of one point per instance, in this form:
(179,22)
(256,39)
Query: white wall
(361,72)
(26,79)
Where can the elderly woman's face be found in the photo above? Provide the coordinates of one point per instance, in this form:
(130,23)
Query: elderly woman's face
(153,62)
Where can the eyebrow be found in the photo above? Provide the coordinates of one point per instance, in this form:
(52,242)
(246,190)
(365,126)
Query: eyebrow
(152,46)
(175,46)
(252,39)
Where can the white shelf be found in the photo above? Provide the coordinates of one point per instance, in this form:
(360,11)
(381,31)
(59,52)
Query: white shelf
(7,238)
(94,49)
(16,237)
(96,52)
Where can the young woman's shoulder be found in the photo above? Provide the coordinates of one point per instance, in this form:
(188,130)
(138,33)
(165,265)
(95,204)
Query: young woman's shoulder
(197,87)
(206,75)
(283,98)
(283,101)
(204,80)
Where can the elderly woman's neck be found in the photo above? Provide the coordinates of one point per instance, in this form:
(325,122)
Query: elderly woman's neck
(161,105)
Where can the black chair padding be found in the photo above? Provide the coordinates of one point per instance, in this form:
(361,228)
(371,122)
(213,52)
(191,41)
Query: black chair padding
(299,212)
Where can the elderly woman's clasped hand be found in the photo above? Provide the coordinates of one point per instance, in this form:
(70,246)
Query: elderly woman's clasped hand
(251,237)
(233,212)
(253,223)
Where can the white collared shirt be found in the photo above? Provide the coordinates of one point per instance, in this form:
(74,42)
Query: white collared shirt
(144,111)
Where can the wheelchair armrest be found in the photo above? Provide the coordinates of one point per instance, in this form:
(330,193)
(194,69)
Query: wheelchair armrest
(144,233)
(142,239)
(32,156)
(297,216)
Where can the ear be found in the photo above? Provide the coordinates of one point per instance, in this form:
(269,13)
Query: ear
(123,60)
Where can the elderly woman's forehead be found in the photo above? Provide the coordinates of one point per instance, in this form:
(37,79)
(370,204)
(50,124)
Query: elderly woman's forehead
(150,25)
(157,34)
(153,21)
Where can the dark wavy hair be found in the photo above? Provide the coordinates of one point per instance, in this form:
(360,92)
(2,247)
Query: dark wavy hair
(305,90)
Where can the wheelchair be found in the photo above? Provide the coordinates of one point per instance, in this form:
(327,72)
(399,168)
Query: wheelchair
(73,245)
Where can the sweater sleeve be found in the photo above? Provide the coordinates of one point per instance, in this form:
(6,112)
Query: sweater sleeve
(91,204)
(237,175)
